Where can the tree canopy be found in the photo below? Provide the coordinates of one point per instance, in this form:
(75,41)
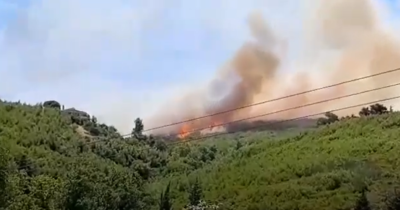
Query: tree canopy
(64,159)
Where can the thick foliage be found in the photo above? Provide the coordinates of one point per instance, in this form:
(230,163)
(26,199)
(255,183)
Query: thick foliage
(326,168)
(46,163)
(50,167)
(57,159)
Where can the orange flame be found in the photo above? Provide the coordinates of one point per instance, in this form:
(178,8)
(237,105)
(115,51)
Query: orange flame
(184,131)
(187,129)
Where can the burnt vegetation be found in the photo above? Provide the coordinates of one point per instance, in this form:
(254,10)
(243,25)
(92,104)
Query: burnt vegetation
(53,158)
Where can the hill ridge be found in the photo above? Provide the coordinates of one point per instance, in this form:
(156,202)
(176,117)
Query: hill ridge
(46,164)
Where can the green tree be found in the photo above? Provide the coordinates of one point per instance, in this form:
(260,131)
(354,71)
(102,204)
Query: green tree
(331,117)
(138,129)
(52,104)
(195,193)
(328,119)
(378,109)
(364,112)
(76,189)
(165,199)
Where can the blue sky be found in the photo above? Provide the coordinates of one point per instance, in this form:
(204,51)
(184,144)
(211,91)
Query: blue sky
(119,59)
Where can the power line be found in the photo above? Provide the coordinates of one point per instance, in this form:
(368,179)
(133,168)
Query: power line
(279,122)
(296,107)
(292,108)
(271,100)
(288,109)
(288,120)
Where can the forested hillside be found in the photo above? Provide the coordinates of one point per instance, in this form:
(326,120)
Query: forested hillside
(53,158)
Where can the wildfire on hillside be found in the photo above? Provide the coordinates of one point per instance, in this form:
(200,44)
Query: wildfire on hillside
(184,131)
(188,129)
(342,39)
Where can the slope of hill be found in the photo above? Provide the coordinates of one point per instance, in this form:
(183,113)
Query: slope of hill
(45,163)
(49,166)
(321,169)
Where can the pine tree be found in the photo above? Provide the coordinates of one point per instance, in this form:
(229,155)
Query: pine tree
(138,129)
(195,193)
(165,199)
(76,188)
(138,126)
(362,202)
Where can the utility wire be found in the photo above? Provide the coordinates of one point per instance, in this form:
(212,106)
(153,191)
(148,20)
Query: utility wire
(288,120)
(293,108)
(271,100)
(285,110)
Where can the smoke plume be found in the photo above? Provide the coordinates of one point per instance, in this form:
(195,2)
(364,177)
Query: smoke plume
(351,31)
